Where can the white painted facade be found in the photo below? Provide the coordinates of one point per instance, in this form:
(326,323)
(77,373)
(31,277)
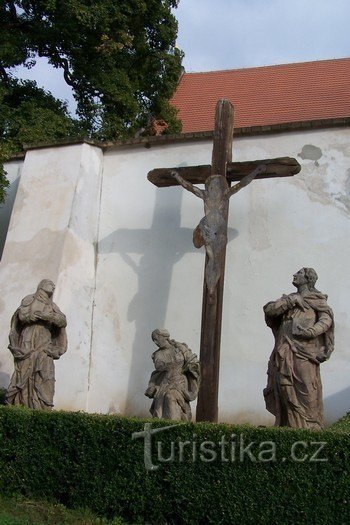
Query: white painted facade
(120,251)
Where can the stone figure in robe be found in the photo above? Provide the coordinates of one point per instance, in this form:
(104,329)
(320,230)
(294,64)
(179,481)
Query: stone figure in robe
(37,337)
(211,232)
(303,327)
(175,381)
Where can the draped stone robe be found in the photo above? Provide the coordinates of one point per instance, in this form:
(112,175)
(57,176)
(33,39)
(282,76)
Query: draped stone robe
(294,389)
(35,344)
(174,383)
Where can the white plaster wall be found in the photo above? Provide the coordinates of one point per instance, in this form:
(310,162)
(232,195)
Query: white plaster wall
(52,234)
(149,274)
(121,253)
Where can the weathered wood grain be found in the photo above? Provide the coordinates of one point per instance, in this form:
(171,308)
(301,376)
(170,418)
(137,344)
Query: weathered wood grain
(280,167)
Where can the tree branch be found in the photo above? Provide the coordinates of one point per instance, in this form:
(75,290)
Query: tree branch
(3,74)
(12,10)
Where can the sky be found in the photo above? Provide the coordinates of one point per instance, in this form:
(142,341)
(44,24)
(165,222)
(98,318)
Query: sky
(230,34)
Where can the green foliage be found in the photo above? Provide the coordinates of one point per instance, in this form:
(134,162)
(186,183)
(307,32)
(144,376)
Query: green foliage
(29,114)
(90,461)
(119,57)
(3,180)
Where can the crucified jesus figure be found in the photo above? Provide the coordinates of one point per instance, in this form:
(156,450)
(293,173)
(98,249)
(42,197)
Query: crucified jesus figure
(211,232)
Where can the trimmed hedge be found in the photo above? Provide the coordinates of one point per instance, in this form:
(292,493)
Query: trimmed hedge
(90,461)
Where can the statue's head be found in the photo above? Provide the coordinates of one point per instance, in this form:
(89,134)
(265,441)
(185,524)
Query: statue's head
(306,276)
(160,336)
(47,286)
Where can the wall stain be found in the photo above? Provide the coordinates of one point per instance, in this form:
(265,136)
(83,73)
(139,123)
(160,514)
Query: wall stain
(345,198)
(319,187)
(42,252)
(310,152)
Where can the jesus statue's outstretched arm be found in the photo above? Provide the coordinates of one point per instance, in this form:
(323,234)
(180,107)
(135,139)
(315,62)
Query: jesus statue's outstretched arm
(188,185)
(246,180)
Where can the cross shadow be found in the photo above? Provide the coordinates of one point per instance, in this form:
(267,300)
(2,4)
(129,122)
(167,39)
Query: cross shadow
(5,212)
(161,247)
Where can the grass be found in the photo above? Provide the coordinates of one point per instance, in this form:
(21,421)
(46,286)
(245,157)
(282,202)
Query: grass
(21,511)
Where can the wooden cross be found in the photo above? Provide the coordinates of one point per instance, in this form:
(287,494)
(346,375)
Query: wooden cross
(212,233)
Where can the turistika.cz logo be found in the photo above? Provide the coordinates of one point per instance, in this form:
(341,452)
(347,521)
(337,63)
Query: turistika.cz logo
(233,449)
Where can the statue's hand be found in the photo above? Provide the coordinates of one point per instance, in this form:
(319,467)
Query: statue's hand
(175,175)
(36,316)
(298,301)
(260,169)
(41,316)
(293,300)
(151,391)
(306,333)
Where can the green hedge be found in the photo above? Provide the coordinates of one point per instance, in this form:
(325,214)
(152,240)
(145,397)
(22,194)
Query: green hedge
(90,461)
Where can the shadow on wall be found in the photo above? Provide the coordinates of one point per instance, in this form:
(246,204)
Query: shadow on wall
(5,212)
(4,380)
(160,247)
(336,406)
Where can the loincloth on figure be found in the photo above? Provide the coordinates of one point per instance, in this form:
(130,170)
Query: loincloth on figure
(211,231)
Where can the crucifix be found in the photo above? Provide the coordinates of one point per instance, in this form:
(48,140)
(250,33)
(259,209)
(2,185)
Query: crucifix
(211,233)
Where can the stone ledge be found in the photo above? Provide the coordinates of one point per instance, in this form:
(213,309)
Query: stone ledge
(147,142)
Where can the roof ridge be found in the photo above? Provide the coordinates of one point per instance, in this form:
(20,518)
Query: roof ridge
(266,66)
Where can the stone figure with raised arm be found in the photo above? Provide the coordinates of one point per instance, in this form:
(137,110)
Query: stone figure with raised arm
(303,327)
(175,380)
(37,337)
(211,232)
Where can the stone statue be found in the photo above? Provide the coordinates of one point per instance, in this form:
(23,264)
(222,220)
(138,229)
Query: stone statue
(303,326)
(175,381)
(37,337)
(211,232)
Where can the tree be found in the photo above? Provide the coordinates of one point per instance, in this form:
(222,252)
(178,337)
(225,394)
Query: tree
(29,114)
(119,57)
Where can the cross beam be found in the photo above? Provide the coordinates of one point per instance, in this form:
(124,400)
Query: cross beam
(215,222)
(281,167)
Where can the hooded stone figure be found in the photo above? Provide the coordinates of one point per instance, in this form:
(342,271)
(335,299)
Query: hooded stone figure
(37,337)
(175,381)
(303,327)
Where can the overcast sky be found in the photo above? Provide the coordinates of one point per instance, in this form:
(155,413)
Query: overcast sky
(229,34)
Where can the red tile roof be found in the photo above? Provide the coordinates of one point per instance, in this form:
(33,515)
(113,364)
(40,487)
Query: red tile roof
(266,95)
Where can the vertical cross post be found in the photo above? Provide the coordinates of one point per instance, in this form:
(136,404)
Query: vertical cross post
(207,407)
